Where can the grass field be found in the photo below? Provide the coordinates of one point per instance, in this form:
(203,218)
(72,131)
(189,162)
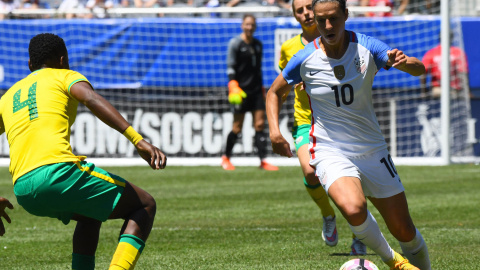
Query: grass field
(208,218)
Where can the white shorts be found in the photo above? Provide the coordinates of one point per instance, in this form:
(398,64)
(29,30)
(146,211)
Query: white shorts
(376,172)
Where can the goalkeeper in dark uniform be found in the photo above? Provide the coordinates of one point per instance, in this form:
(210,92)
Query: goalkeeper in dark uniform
(246,93)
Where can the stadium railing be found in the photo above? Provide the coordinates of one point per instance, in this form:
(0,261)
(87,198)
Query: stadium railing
(261,10)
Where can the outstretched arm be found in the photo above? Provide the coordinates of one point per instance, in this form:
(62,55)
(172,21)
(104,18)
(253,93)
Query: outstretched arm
(273,104)
(400,61)
(4,203)
(101,108)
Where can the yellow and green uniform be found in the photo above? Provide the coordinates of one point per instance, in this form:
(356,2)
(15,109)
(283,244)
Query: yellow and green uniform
(302,122)
(302,114)
(38,112)
(49,180)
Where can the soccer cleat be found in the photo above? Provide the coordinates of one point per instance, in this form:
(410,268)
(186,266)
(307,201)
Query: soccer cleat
(400,263)
(357,247)
(226,164)
(329,231)
(267,166)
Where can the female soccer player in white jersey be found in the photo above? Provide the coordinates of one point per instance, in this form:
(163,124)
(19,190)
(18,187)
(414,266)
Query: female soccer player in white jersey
(346,145)
(302,116)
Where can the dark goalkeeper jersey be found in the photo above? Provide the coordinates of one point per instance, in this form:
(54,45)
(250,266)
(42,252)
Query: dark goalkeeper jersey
(244,64)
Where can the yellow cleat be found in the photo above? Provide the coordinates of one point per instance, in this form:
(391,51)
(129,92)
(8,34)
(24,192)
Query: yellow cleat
(400,263)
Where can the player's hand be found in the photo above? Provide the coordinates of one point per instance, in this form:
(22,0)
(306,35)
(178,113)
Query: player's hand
(280,146)
(396,59)
(4,203)
(285,96)
(235,93)
(300,86)
(152,155)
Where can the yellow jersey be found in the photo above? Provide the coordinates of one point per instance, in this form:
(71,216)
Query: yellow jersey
(37,113)
(302,114)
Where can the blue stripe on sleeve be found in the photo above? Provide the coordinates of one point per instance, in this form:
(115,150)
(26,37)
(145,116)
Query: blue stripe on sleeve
(291,73)
(376,47)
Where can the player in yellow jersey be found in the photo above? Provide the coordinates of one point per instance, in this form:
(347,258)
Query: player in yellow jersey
(303,13)
(49,179)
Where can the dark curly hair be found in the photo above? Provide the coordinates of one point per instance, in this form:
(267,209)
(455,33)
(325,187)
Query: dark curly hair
(46,49)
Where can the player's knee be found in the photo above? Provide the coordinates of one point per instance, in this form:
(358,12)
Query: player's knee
(149,204)
(237,129)
(259,126)
(355,213)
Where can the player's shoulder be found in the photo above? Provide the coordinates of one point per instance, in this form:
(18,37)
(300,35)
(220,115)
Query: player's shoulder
(235,41)
(302,55)
(256,40)
(361,38)
(293,42)
(310,48)
(372,44)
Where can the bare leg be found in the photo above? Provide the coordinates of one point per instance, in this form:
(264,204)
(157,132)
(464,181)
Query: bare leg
(258,120)
(394,211)
(86,235)
(238,119)
(347,194)
(138,208)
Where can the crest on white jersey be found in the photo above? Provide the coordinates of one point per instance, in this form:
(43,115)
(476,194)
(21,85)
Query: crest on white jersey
(339,72)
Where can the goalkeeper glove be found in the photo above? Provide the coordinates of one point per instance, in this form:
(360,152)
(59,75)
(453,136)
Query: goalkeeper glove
(235,93)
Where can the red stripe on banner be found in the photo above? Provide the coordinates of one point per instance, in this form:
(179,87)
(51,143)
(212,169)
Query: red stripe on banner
(317,40)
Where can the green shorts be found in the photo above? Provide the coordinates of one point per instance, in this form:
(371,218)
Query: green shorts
(301,135)
(61,190)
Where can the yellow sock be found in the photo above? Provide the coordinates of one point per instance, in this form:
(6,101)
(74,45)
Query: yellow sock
(128,251)
(320,197)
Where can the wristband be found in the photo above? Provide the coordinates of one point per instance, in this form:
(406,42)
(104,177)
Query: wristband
(133,136)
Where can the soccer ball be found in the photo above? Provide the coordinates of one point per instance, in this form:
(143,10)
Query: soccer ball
(359,264)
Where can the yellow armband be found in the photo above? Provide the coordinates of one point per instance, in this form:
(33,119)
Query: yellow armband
(133,136)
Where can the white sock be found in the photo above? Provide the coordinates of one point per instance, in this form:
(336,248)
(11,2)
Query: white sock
(369,233)
(416,252)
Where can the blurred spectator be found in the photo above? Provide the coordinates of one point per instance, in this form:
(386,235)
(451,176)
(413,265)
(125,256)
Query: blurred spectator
(7,6)
(458,71)
(388,3)
(353,3)
(67,7)
(416,7)
(424,7)
(432,6)
(280,3)
(98,8)
(284,4)
(30,4)
(179,3)
(33,4)
(146,3)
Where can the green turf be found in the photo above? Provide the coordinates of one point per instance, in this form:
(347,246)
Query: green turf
(208,218)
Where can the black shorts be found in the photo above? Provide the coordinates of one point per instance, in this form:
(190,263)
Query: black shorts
(253,102)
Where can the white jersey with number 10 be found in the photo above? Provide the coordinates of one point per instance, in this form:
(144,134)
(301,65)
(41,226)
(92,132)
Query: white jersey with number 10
(340,94)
